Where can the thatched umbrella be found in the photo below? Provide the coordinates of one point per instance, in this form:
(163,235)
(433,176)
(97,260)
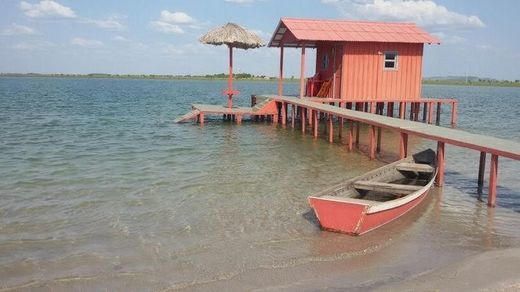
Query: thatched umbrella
(234,36)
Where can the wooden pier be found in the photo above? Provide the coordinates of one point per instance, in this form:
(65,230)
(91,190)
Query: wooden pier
(309,112)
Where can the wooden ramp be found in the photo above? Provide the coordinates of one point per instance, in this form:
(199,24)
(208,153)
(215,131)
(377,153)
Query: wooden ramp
(190,115)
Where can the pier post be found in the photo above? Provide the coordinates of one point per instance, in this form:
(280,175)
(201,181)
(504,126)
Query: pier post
(316,123)
(481,171)
(430,112)
(201,119)
(239,119)
(493,176)
(302,118)
(403,145)
(425,112)
(302,73)
(438,118)
(293,115)
(379,134)
(350,134)
(340,127)
(402,110)
(284,113)
(390,109)
(412,110)
(440,164)
(331,130)
(454,113)
(372,142)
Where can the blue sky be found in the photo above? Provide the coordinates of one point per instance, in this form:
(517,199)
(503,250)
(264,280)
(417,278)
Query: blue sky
(161,37)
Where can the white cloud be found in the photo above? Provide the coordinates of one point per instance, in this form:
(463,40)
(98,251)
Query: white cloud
(166,27)
(120,38)
(449,39)
(46,8)
(176,17)
(111,23)
(33,45)
(424,12)
(16,29)
(86,43)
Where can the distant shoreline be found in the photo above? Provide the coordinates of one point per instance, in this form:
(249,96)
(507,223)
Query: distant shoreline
(248,77)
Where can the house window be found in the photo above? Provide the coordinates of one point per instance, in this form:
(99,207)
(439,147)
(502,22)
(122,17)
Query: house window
(390,61)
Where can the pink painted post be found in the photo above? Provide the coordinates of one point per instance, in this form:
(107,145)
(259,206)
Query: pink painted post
(303,111)
(293,113)
(493,177)
(350,135)
(403,145)
(402,110)
(430,112)
(302,73)
(315,129)
(284,114)
(201,119)
(372,145)
(239,119)
(440,164)
(331,134)
(454,113)
(280,79)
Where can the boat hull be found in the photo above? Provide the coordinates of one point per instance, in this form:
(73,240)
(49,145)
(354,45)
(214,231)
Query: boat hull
(355,218)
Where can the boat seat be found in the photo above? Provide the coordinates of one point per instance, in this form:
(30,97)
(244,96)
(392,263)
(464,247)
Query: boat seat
(349,200)
(415,167)
(386,187)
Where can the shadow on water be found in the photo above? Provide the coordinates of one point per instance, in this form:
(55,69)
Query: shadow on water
(311,217)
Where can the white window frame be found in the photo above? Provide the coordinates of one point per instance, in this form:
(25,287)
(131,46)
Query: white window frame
(396,60)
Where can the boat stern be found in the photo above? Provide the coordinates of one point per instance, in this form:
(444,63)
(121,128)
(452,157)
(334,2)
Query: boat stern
(339,215)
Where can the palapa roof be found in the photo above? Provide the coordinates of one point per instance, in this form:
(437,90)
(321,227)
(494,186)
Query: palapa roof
(295,32)
(233,35)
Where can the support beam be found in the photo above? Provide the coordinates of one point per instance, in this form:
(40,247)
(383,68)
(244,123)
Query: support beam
(293,115)
(425,112)
(239,119)
(201,119)
(403,145)
(430,112)
(454,114)
(440,164)
(302,73)
(303,111)
(284,113)
(280,78)
(331,129)
(493,177)
(481,171)
(316,123)
(402,110)
(350,135)
(379,134)
(438,118)
(372,142)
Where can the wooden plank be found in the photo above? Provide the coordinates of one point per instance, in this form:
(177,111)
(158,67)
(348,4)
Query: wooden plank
(482,143)
(415,167)
(386,187)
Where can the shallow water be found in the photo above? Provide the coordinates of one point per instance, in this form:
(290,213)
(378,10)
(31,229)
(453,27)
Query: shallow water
(99,189)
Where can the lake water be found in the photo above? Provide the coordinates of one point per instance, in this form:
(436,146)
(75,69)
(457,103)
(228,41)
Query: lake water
(99,189)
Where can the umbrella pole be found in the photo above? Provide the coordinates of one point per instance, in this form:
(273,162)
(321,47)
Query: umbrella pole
(230,78)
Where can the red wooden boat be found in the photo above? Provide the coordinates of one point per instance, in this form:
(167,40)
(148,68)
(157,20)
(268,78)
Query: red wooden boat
(363,203)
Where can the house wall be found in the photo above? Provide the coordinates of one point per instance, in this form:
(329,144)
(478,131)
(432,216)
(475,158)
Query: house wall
(363,75)
(333,65)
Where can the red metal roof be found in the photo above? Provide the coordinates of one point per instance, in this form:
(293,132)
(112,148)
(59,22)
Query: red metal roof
(295,32)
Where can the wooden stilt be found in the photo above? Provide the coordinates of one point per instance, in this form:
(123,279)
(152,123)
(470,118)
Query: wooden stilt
(438,118)
(316,123)
(201,119)
(350,134)
(440,164)
(430,112)
(302,119)
(425,112)
(481,171)
(331,129)
(340,127)
(493,176)
(378,148)
(454,114)
(284,113)
(293,115)
(403,145)
(402,110)
(239,119)
(372,142)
